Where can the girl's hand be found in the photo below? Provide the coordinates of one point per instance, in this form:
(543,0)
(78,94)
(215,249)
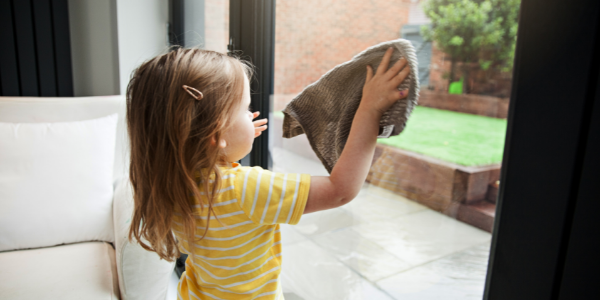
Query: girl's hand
(259,125)
(380,91)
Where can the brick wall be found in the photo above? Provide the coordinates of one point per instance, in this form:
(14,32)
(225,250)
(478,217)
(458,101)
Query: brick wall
(480,82)
(216,22)
(313,36)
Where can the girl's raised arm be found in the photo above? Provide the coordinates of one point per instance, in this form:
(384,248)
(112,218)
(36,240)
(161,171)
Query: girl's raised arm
(380,92)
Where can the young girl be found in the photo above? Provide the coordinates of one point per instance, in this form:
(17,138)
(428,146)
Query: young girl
(189,122)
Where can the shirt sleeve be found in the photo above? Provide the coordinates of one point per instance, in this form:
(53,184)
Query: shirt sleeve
(271,198)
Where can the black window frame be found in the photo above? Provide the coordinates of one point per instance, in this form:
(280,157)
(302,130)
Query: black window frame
(252,37)
(545,235)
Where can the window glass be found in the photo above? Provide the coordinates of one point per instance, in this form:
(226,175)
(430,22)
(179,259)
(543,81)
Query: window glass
(207,24)
(421,226)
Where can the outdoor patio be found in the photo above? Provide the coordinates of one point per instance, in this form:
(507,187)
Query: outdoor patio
(380,246)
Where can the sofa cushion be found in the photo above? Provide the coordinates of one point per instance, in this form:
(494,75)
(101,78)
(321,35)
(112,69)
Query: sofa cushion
(142,274)
(70,109)
(77,271)
(56,182)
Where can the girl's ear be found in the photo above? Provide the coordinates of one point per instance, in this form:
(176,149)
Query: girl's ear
(222,142)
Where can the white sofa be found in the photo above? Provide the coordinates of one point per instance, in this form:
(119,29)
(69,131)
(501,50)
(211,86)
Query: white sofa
(52,247)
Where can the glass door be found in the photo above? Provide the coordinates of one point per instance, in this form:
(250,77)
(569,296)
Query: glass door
(485,140)
(421,226)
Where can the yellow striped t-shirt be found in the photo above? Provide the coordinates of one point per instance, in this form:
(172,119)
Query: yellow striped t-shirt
(241,258)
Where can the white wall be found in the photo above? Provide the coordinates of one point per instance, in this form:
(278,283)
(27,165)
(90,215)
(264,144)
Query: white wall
(142,34)
(110,38)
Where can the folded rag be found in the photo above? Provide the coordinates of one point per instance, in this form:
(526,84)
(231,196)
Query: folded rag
(324,110)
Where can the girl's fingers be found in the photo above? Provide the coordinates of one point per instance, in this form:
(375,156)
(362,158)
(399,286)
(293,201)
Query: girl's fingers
(385,61)
(259,130)
(260,122)
(401,76)
(255,114)
(395,69)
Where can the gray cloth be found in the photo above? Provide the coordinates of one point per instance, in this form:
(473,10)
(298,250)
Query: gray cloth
(324,110)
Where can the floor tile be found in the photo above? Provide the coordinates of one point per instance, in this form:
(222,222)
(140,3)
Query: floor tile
(289,235)
(291,296)
(375,204)
(423,236)
(326,220)
(381,192)
(460,276)
(288,162)
(360,254)
(311,273)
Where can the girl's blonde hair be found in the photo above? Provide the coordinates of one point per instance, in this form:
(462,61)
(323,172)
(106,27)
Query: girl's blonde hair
(174,137)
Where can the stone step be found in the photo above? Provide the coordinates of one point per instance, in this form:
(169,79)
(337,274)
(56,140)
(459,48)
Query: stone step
(479,214)
(492,192)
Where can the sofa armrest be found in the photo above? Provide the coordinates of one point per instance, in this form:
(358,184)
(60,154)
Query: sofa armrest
(142,274)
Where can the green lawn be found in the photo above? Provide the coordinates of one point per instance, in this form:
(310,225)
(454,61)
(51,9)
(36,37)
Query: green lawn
(465,139)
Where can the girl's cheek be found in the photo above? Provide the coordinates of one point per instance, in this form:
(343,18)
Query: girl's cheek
(251,128)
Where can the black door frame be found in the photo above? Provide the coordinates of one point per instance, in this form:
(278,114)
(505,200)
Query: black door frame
(548,160)
(252,35)
(546,237)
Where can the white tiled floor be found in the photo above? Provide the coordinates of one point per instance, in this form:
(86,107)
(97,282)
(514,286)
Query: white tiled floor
(380,246)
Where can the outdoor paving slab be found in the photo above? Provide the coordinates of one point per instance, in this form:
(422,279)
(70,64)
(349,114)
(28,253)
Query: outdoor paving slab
(379,246)
(288,162)
(313,274)
(360,254)
(374,204)
(423,236)
(289,235)
(325,220)
(459,276)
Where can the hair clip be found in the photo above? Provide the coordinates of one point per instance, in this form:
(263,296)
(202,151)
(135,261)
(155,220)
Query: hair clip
(191,91)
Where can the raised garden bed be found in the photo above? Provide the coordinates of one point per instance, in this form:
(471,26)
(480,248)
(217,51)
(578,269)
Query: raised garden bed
(452,189)
(466,103)
(446,160)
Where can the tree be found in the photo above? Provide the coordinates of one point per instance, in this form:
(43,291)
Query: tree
(474,31)
(503,53)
